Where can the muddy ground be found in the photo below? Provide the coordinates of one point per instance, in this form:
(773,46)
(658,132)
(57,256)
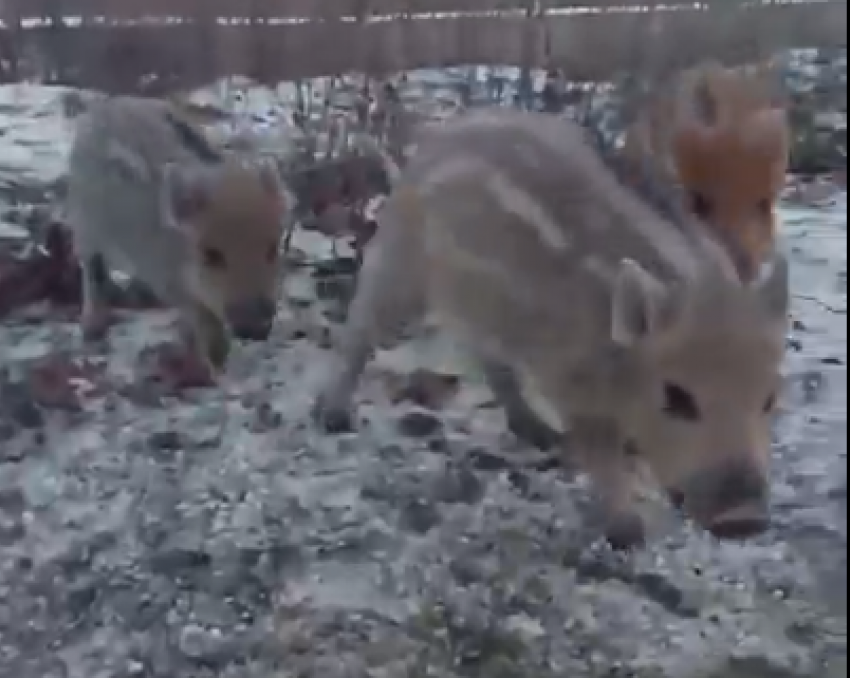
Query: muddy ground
(146,532)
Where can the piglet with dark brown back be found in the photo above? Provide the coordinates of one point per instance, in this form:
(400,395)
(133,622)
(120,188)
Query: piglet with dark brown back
(511,231)
(722,135)
(149,195)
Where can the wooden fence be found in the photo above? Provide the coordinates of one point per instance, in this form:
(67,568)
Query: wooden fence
(114,44)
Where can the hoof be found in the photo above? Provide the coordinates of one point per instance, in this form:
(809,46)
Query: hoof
(333,420)
(533,431)
(626,532)
(188,370)
(95,328)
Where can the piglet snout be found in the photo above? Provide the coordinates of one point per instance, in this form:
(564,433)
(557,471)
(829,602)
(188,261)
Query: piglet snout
(740,524)
(730,501)
(252,320)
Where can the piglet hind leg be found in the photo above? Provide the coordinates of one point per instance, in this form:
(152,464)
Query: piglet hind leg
(390,295)
(95,320)
(603,455)
(522,421)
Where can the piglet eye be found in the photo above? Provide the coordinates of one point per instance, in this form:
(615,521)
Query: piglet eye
(765,207)
(680,404)
(701,205)
(214,258)
(770,403)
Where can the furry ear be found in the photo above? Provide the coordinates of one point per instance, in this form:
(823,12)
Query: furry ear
(185,193)
(641,304)
(773,288)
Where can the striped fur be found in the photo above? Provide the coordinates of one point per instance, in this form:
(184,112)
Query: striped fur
(148,194)
(514,233)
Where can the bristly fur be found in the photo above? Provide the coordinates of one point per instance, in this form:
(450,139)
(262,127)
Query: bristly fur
(645,179)
(705,105)
(721,137)
(193,139)
(513,235)
(149,195)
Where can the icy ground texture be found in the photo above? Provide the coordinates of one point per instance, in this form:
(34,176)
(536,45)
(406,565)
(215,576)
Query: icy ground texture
(218,534)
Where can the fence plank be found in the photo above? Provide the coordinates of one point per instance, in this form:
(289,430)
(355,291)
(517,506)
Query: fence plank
(449,6)
(116,11)
(609,5)
(138,10)
(591,47)
(586,46)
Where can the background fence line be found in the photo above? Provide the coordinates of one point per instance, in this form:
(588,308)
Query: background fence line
(113,45)
(152,10)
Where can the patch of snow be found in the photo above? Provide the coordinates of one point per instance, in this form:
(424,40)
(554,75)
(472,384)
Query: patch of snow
(34,136)
(12,232)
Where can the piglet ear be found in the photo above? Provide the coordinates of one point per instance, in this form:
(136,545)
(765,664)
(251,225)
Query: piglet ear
(186,193)
(641,304)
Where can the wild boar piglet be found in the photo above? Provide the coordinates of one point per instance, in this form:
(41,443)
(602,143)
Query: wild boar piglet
(510,231)
(148,194)
(722,136)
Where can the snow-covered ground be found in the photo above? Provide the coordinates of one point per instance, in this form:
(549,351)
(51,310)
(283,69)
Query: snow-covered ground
(218,534)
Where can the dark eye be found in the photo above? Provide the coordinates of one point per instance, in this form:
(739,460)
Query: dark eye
(273,252)
(701,205)
(771,402)
(680,404)
(765,207)
(346,189)
(214,258)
